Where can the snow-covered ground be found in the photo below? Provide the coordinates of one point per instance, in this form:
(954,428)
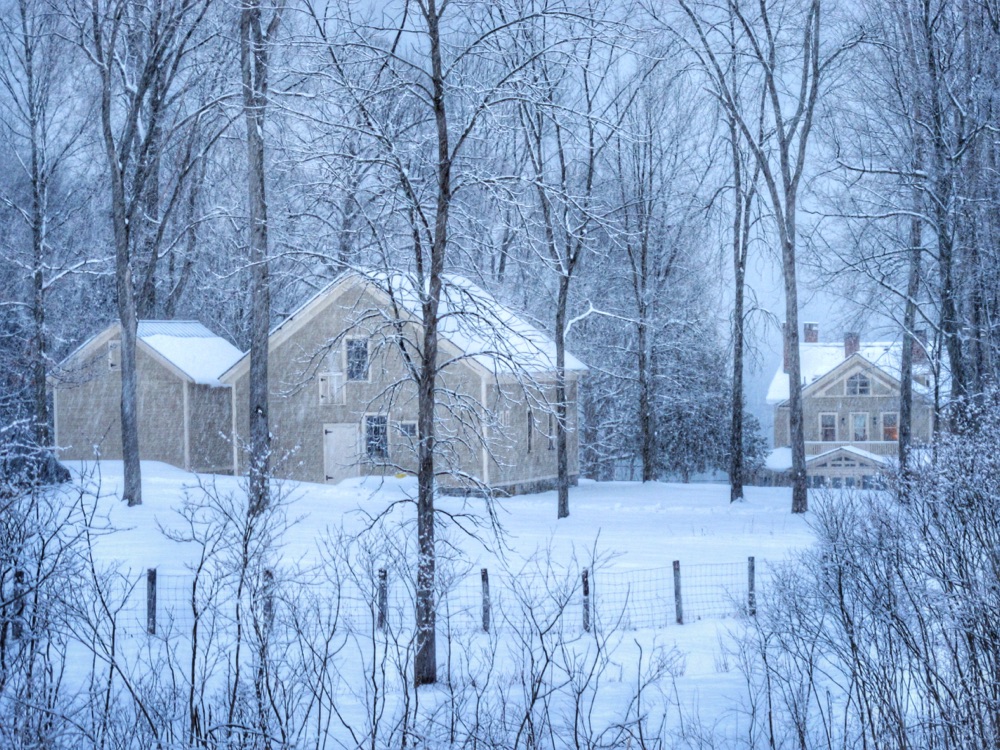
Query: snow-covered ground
(627,534)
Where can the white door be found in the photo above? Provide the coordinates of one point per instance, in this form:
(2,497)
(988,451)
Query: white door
(340,451)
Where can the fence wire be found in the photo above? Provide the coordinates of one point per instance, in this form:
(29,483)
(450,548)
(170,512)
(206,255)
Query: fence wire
(625,600)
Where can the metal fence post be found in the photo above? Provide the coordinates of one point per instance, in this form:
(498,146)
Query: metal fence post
(586,600)
(751,587)
(486,600)
(678,605)
(151,601)
(20,593)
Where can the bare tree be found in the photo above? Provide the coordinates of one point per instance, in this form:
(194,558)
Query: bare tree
(791,74)
(137,53)
(255,41)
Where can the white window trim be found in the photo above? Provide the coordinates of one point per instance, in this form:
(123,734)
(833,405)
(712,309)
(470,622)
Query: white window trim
(368,367)
(868,432)
(836,427)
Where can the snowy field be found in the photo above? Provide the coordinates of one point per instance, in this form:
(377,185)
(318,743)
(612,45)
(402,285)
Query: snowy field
(626,534)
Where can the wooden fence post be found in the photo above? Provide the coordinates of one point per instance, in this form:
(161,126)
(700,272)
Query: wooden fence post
(678,605)
(20,593)
(151,601)
(268,598)
(751,587)
(586,600)
(486,600)
(383,598)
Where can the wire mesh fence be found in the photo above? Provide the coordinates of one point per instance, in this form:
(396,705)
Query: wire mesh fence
(484,600)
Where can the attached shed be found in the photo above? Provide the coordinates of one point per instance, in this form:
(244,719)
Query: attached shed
(185,412)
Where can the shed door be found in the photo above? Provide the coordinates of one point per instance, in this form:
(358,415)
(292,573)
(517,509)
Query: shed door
(340,451)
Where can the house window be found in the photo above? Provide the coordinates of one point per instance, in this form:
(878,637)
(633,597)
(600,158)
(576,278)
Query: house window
(890,426)
(376,437)
(859,427)
(114,355)
(828,428)
(357,359)
(859,385)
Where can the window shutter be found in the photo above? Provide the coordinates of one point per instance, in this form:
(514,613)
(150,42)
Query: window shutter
(324,390)
(114,355)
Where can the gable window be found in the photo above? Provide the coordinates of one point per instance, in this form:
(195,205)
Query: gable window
(114,355)
(828,428)
(376,437)
(890,426)
(859,385)
(357,359)
(859,427)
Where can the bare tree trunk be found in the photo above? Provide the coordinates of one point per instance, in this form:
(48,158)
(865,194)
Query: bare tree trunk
(562,449)
(909,340)
(254,43)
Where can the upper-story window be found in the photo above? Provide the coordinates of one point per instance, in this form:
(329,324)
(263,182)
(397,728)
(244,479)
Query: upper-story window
(357,359)
(859,427)
(828,428)
(890,426)
(859,385)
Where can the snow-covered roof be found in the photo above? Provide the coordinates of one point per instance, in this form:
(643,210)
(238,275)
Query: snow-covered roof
(859,452)
(816,360)
(470,318)
(779,459)
(190,347)
(478,325)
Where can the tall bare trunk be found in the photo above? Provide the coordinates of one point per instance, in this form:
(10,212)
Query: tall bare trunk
(253,62)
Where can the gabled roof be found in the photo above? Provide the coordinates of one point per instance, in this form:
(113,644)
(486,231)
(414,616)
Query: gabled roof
(816,360)
(471,320)
(190,347)
(187,347)
(852,450)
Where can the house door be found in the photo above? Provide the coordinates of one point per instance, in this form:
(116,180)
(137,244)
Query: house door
(340,451)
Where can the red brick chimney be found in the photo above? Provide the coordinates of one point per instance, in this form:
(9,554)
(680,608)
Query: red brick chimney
(810,333)
(852,343)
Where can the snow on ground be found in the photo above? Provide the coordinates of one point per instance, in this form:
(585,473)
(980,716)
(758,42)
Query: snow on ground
(635,528)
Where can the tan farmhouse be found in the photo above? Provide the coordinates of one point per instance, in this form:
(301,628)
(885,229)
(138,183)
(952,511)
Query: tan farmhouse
(343,398)
(850,408)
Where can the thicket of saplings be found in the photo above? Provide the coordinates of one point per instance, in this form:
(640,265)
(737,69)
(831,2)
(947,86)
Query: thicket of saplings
(885,635)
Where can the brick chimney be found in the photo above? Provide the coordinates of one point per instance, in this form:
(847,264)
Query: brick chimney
(810,333)
(852,343)
(919,344)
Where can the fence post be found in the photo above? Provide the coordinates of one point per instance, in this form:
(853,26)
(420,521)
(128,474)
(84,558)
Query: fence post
(268,598)
(383,598)
(486,600)
(20,592)
(678,605)
(586,600)
(751,592)
(151,601)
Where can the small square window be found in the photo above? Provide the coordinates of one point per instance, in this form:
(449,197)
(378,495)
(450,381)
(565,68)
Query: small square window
(408,430)
(357,359)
